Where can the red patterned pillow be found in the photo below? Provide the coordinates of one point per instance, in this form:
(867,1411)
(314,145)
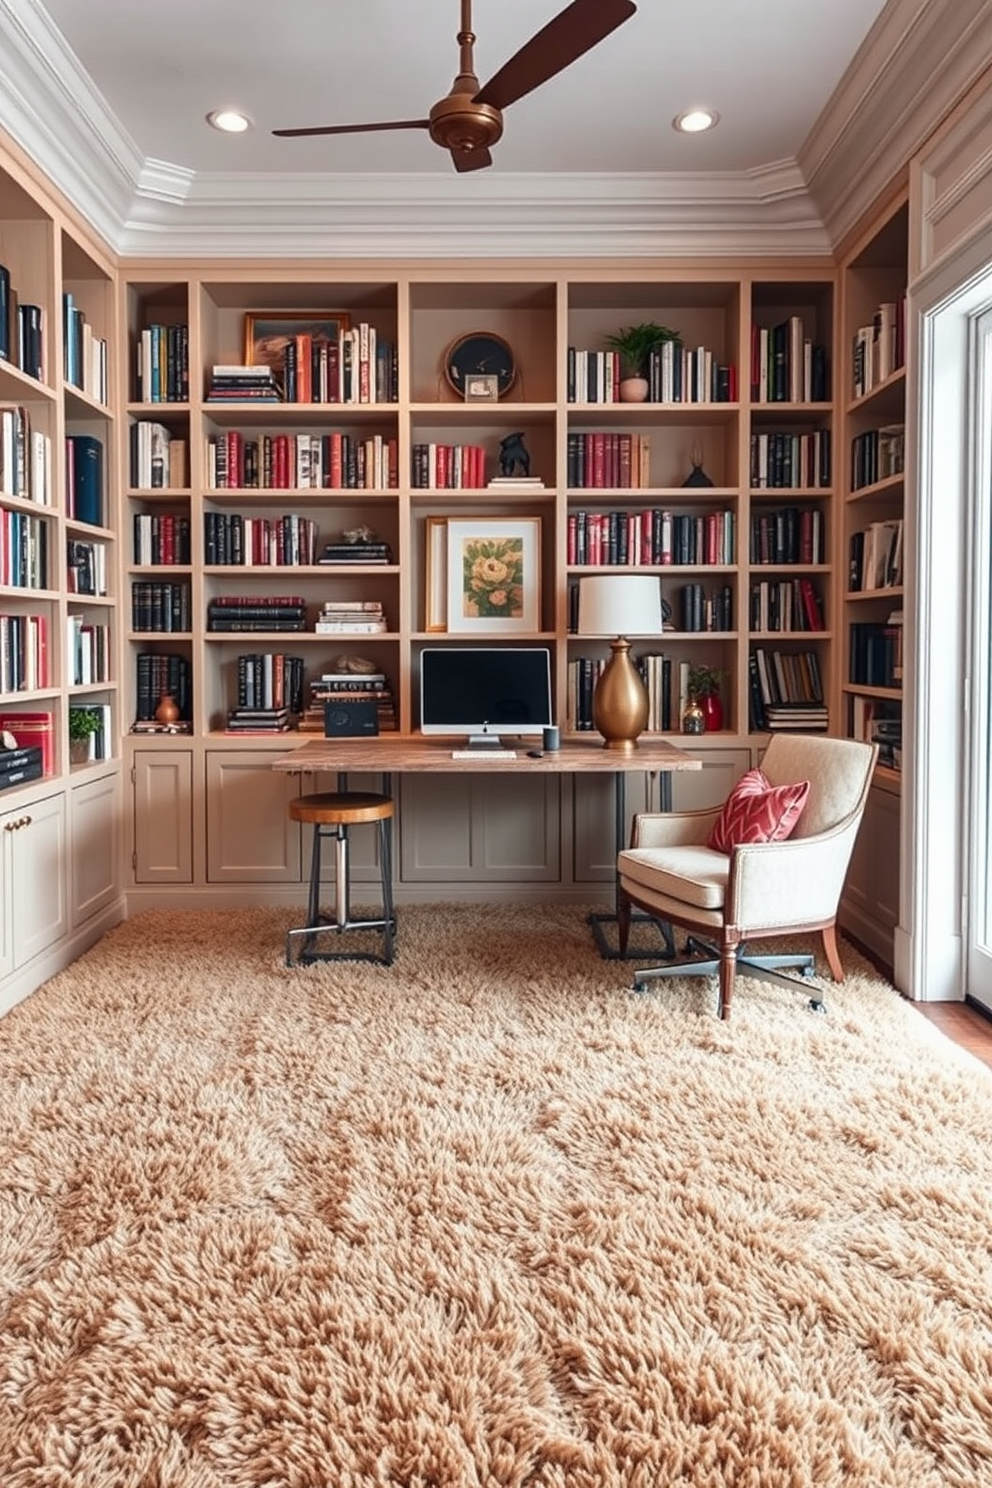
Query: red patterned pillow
(757,811)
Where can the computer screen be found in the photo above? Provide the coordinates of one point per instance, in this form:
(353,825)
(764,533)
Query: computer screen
(483,692)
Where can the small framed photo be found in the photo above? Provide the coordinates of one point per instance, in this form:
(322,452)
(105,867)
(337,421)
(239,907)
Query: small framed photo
(436,578)
(481,388)
(494,574)
(269,332)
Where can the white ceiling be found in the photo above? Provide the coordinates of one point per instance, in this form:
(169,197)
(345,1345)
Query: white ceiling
(768,66)
(822,103)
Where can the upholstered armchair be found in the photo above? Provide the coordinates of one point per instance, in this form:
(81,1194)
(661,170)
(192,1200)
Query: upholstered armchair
(743,890)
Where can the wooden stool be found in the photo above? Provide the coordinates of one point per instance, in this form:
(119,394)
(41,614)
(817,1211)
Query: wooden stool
(331,814)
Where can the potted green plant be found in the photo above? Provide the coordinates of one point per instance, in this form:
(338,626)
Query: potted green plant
(83,723)
(703,684)
(635,344)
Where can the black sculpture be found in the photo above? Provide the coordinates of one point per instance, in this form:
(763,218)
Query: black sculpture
(512,452)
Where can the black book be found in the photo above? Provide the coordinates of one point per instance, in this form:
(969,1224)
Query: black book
(22,776)
(16,759)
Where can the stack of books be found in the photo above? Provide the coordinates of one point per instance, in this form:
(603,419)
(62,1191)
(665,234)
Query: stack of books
(799,718)
(351,617)
(515,483)
(230,383)
(372,551)
(257,721)
(260,613)
(19,765)
(344,688)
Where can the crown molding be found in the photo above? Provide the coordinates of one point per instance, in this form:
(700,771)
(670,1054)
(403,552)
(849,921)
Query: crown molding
(916,62)
(430,216)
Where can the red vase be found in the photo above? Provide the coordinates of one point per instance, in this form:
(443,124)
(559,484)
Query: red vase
(712,706)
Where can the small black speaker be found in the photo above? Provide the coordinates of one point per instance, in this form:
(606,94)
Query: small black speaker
(351,720)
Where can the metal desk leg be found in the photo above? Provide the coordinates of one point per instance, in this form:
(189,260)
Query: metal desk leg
(608,950)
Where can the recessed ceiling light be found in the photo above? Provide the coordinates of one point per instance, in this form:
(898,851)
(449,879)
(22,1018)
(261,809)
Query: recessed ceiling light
(695,120)
(229,120)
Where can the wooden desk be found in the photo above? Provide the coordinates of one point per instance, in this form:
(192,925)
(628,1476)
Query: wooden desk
(412,752)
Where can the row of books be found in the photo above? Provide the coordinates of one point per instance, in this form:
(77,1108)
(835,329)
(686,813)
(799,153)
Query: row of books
(158,674)
(783,459)
(265,613)
(84,477)
(875,652)
(600,459)
(875,556)
(88,652)
(878,348)
(24,654)
(675,373)
(24,559)
(879,721)
(443,467)
(786,604)
(702,611)
(653,536)
(86,566)
(877,454)
(270,679)
(302,461)
(161,538)
(158,458)
(162,364)
(161,607)
(359,366)
(84,353)
(22,330)
(233,540)
(785,690)
(665,679)
(787,365)
(25,457)
(788,534)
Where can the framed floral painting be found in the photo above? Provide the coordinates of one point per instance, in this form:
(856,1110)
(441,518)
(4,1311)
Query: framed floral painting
(494,574)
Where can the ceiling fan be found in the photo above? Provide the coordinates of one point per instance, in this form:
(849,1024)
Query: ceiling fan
(469,119)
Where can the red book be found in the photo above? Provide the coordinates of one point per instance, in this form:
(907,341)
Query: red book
(33,728)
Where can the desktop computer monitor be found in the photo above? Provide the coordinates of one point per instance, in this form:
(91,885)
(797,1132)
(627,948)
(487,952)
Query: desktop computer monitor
(483,692)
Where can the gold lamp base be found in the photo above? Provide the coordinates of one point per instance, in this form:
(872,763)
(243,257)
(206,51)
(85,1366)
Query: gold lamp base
(620,703)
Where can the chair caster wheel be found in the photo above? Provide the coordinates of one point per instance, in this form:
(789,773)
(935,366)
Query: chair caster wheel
(817,1005)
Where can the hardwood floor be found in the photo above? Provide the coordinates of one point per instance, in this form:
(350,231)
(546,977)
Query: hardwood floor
(962,1024)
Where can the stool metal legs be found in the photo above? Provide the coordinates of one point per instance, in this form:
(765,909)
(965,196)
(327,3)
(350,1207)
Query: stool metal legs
(342,920)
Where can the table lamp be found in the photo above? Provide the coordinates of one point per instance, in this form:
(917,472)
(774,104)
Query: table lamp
(620,605)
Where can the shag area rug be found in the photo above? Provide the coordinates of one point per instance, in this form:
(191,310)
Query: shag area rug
(483,1218)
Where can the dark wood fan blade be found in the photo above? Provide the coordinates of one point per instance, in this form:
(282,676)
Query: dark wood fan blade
(355,128)
(556,46)
(470,160)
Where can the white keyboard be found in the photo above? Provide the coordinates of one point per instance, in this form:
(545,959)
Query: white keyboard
(475,754)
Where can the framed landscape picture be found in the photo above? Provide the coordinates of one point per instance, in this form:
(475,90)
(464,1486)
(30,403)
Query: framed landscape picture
(494,574)
(269,332)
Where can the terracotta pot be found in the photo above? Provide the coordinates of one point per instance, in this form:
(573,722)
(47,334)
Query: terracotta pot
(633,390)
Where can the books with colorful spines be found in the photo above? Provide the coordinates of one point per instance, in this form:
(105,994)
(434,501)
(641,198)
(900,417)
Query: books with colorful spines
(33,729)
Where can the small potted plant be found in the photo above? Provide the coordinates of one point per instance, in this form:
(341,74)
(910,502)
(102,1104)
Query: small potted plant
(635,344)
(703,684)
(83,724)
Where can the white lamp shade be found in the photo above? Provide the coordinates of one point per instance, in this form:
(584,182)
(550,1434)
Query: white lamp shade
(619,604)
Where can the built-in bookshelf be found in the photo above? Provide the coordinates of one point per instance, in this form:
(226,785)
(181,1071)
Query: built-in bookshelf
(721,481)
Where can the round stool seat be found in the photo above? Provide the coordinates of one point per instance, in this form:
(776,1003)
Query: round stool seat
(341,808)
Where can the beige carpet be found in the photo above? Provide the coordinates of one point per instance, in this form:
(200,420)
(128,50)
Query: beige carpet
(484,1218)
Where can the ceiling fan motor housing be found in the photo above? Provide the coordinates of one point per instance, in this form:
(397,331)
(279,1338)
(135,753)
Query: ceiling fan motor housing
(456,123)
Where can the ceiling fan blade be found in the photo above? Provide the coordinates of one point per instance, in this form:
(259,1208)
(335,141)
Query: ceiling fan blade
(470,160)
(355,128)
(556,46)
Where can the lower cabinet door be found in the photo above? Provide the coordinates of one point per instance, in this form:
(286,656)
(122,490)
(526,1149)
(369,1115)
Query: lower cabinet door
(96,846)
(35,848)
(163,816)
(480,828)
(250,837)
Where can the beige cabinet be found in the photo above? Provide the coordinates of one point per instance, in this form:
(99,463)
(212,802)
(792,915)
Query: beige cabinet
(163,816)
(250,838)
(95,845)
(870,906)
(34,902)
(479,828)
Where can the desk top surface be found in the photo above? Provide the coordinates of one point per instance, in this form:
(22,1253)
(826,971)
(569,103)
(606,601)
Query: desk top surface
(413,752)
